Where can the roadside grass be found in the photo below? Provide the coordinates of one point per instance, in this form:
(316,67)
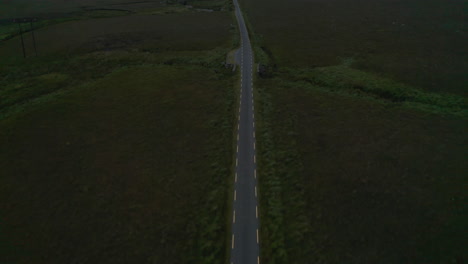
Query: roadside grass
(345,179)
(117,154)
(271,202)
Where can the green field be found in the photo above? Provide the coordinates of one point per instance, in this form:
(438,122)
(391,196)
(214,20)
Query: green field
(116,142)
(54,8)
(50,12)
(352,180)
(362,115)
(136,32)
(418,42)
(48,8)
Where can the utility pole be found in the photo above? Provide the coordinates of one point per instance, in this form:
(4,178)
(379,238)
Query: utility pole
(34,38)
(22,40)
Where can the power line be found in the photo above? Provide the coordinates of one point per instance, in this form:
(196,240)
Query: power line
(26,20)
(22,40)
(33,36)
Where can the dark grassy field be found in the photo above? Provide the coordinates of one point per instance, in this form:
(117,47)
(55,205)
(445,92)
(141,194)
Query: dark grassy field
(115,145)
(28,8)
(121,170)
(418,42)
(351,180)
(184,31)
(92,48)
(50,12)
(48,8)
(362,117)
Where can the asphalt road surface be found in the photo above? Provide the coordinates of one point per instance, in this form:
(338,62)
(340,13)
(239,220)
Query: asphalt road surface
(245,240)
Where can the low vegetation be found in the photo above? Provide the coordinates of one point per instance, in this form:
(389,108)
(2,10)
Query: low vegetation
(53,12)
(118,153)
(344,79)
(417,42)
(362,123)
(348,179)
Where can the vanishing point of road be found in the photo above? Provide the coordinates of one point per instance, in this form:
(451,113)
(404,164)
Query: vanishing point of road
(245,240)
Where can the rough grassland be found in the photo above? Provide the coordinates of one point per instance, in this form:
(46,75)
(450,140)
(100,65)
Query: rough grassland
(348,180)
(362,120)
(418,42)
(117,171)
(183,31)
(27,8)
(118,151)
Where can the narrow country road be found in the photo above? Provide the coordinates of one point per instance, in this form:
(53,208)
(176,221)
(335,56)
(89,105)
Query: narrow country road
(245,240)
